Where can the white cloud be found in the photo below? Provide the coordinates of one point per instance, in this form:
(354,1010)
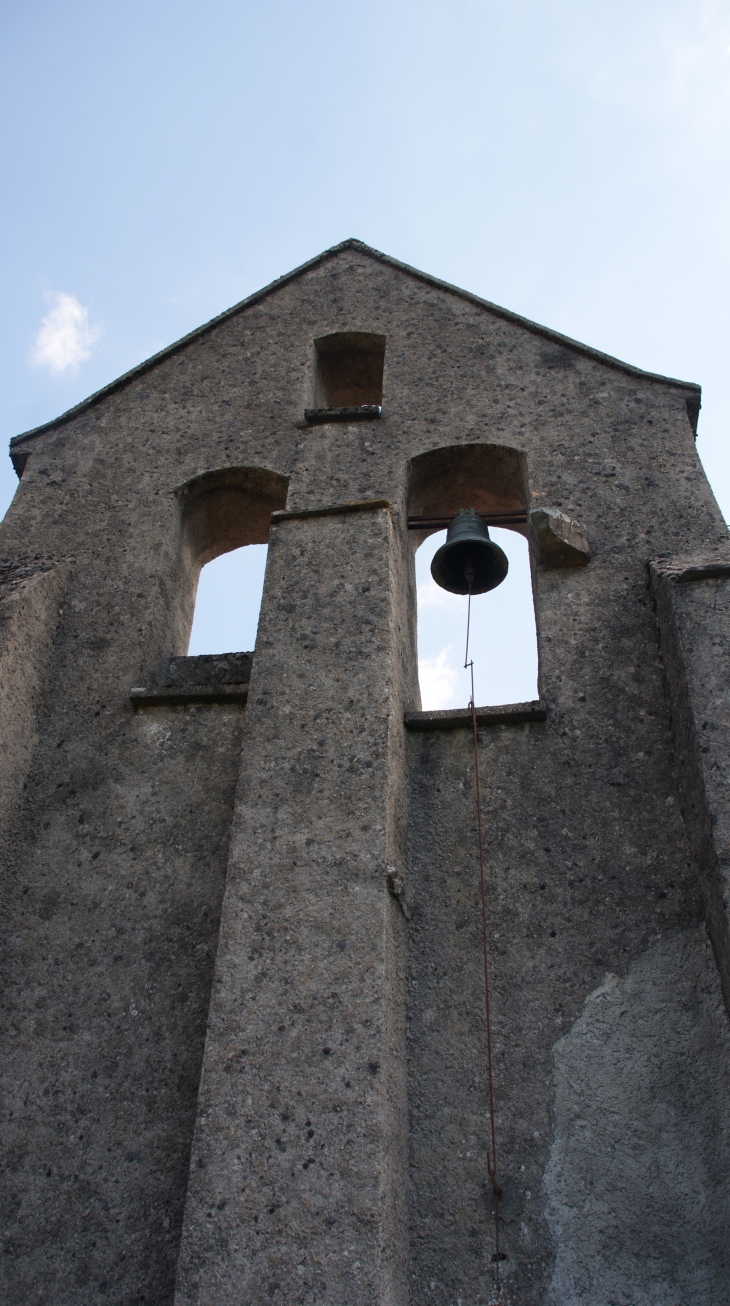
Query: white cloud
(438,681)
(66,337)
(430,595)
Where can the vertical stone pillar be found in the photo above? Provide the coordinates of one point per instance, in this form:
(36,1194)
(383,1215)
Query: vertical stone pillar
(298,1170)
(693,608)
(30,594)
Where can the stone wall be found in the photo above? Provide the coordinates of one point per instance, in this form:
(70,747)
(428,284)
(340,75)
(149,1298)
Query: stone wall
(197,871)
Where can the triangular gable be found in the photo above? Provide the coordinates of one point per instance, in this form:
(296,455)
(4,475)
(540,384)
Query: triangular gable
(534,328)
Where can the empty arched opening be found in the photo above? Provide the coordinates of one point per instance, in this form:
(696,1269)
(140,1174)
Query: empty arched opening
(503,642)
(224,527)
(228,601)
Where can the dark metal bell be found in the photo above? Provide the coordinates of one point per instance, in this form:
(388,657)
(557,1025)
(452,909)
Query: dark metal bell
(469,562)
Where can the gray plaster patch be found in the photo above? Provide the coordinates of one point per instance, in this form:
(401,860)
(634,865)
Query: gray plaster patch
(638,1178)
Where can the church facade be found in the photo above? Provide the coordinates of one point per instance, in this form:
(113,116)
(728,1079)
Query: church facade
(243,1015)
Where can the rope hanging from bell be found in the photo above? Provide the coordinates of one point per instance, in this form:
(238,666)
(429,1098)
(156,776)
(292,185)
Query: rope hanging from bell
(470,563)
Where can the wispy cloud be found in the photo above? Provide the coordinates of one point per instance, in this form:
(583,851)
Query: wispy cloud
(438,680)
(66,337)
(431,596)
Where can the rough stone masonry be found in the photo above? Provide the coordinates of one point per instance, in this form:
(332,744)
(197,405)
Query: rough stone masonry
(243,1039)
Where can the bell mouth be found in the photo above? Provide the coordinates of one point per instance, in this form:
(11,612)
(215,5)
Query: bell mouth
(469,562)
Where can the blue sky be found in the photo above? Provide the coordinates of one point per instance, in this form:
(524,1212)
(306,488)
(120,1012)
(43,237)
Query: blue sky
(161,161)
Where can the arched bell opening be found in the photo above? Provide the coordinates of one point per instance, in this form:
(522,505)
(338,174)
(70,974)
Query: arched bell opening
(492,480)
(228,602)
(224,519)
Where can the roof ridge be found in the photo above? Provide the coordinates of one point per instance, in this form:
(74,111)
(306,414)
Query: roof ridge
(351,243)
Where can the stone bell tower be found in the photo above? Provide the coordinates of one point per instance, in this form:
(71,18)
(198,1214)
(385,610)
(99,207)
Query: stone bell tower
(243,1030)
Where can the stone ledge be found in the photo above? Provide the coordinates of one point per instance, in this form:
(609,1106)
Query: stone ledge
(331,510)
(177,695)
(206,669)
(684,570)
(208,678)
(559,539)
(512,714)
(16,573)
(359,413)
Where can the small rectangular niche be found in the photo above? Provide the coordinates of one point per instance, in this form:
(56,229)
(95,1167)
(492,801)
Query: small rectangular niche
(348,378)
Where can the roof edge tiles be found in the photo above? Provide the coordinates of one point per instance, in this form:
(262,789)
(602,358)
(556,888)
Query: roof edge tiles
(170,350)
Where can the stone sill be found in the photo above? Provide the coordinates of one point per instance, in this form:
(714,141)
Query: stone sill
(175,696)
(685,570)
(358,414)
(208,678)
(512,714)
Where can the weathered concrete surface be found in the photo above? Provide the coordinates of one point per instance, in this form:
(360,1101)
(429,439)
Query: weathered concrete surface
(31,591)
(638,1200)
(110,934)
(113,873)
(573,892)
(298,1177)
(693,607)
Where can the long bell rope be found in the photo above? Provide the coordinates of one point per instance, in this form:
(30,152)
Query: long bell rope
(491,1155)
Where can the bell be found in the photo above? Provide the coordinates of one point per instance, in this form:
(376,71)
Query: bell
(469,562)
